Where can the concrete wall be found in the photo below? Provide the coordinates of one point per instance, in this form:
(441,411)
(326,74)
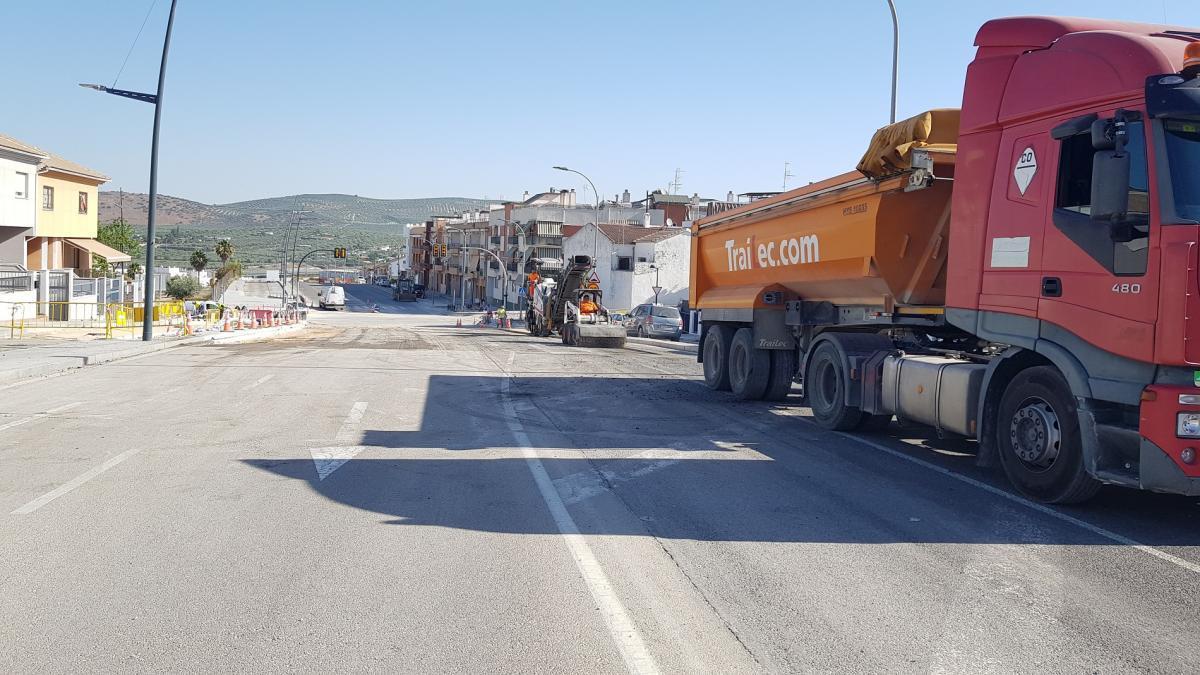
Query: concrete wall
(12,244)
(673,258)
(17,306)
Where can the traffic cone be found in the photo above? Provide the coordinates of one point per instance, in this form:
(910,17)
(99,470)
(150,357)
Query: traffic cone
(225,327)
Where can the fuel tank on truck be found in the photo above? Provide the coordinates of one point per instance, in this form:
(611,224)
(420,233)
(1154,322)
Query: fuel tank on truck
(877,236)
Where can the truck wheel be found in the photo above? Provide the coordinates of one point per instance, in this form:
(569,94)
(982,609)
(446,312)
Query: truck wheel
(716,357)
(825,384)
(783,371)
(749,367)
(1038,436)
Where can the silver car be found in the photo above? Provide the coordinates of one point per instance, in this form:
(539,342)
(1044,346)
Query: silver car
(657,321)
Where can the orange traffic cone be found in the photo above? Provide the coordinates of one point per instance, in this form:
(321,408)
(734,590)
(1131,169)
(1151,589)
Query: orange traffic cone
(225,327)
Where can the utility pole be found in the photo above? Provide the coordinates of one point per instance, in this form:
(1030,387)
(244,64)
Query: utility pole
(156,99)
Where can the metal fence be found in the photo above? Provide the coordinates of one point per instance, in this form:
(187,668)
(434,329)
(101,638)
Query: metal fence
(13,281)
(110,317)
(85,287)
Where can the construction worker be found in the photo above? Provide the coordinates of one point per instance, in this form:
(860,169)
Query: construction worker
(501,316)
(587,305)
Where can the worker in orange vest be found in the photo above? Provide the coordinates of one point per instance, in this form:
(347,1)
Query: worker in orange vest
(587,305)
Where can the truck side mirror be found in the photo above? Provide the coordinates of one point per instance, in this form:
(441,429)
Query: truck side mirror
(1110,171)
(1110,185)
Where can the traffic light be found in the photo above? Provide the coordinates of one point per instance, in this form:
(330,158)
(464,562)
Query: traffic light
(339,252)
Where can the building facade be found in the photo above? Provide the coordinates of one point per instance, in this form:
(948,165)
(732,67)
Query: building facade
(19,164)
(67,217)
(535,228)
(631,261)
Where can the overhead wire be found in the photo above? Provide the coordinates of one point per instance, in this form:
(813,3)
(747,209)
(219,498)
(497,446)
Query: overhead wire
(134,44)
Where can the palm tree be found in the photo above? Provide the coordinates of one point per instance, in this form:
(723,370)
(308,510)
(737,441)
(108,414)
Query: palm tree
(224,250)
(199,260)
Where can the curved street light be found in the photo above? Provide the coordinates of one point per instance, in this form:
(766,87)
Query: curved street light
(156,99)
(895,54)
(589,180)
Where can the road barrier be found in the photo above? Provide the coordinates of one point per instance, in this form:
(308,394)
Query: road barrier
(120,320)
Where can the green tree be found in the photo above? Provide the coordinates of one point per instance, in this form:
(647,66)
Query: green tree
(199,260)
(182,286)
(224,250)
(132,271)
(120,235)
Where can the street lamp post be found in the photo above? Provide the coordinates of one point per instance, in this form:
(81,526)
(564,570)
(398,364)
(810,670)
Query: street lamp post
(462,267)
(504,301)
(521,246)
(589,180)
(895,54)
(156,99)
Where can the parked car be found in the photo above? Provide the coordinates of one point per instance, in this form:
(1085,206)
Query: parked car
(658,321)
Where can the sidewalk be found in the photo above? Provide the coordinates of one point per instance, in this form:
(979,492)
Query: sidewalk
(24,359)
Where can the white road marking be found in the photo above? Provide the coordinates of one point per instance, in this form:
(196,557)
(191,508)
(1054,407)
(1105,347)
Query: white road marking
(328,460)
(629,642)
(1041,508)
(74,483)
(38,416)
(257,382)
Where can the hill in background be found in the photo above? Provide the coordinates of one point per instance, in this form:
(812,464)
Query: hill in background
(276,212)
(369,228)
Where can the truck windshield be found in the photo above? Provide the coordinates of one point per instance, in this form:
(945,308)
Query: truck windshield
(1183,154)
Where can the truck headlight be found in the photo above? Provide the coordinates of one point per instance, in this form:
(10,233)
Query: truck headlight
(1187,425)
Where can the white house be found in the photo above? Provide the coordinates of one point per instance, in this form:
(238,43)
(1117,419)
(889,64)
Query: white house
(18,177)
(631,261)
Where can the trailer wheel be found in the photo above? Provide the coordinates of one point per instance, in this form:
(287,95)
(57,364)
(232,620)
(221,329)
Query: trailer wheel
(749,367)
(716,357)
(783,371)
(1038,437)
(825,385)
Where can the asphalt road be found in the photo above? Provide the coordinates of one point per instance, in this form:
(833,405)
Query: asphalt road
(386,492)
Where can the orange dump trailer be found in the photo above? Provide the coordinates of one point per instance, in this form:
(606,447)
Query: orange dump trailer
(854,240)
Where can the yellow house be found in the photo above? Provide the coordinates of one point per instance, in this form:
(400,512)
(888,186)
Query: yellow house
(67,215)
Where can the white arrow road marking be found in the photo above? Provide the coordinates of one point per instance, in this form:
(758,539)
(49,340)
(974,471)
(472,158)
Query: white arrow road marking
(73,483)
(39,416)
(328,460)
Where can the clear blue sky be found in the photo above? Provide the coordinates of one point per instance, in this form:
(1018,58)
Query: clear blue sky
(472,98)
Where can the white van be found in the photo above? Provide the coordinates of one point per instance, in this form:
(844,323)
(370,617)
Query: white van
(331,297)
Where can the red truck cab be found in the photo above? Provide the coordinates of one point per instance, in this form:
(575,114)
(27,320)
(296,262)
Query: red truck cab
(1074,227)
